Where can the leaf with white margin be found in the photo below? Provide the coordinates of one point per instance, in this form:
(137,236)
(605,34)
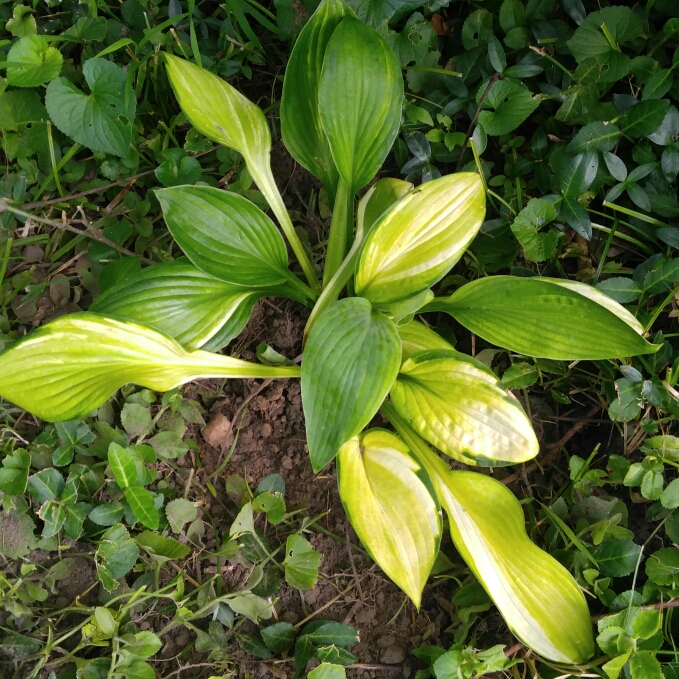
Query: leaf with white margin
(416,242)
(71,366)
(458,405)
(539,599)
(390,508)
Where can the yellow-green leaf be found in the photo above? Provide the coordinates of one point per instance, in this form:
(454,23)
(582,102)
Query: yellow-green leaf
(538,598)
(416,336)
(71,366)
(390,508)
(417,241)
(459,406)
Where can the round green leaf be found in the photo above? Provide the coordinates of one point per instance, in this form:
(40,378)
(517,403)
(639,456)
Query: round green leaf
(390,508)
(32,62)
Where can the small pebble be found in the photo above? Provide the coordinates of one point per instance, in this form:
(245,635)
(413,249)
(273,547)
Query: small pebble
(393,655)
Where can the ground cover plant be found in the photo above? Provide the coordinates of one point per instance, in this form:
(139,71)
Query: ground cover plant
(535,298)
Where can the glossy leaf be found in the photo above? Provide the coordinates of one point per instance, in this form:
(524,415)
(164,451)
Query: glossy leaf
(360,97)
(417,241)
(143,507)
(538,598)
(181,301)
(226,236)
(71,366)
(220,111)
(416,336)
(547,318)
(301,127)
(350,361)
(459,406)
(390,508)
(122,465)
(383,194)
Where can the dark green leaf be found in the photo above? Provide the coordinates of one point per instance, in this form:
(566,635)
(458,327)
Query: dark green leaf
(47,484)
(142,504)
(617,558)
(620,289)
(643,118)
(279,637)
(301,563)
(596,136)
(162,547)
(512,104)
(351,360)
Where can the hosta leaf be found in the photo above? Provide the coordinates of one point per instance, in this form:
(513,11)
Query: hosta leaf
(350,362)
(538,598)
(228,237)
(178,299)
(546,317)
(417,241)
(360,96)
(102,120)
(300,118)
(416,336)
(71,366)
(220,111)
(390,508)
(383,194)
(459,406)
(32,62)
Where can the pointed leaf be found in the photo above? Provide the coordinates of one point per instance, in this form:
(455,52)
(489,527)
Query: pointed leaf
(122,465)
(596,136)
(546,317)
(160,547)
(375,202)
(219,111)
(538,598)
(416,336)
(301,127)
(71,366)
(459,406)
(226,236)
(142,504)
(350,362)
(417,241)
(360,97)
(390,508)
(46,485)
(644,118)
(178,299)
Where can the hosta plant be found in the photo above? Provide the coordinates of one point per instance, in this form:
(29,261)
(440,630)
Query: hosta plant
(364,351)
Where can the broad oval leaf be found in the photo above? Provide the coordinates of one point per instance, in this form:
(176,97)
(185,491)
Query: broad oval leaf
(228,237)
(416,336)
(542,317)
(390,508)
(417,241)
(220,111)
(360,97)
(71,366)
(301,127)
(459,406)
(350,362)
(538,598)
(181,301)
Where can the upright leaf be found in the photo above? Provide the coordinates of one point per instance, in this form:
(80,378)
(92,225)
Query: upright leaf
(538,598)
(360,97)
(71,366)
(122,465)
(350,362)
(459,406)
(416,242)
(301,127)
(181,301)
(543,317)
(390,508)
